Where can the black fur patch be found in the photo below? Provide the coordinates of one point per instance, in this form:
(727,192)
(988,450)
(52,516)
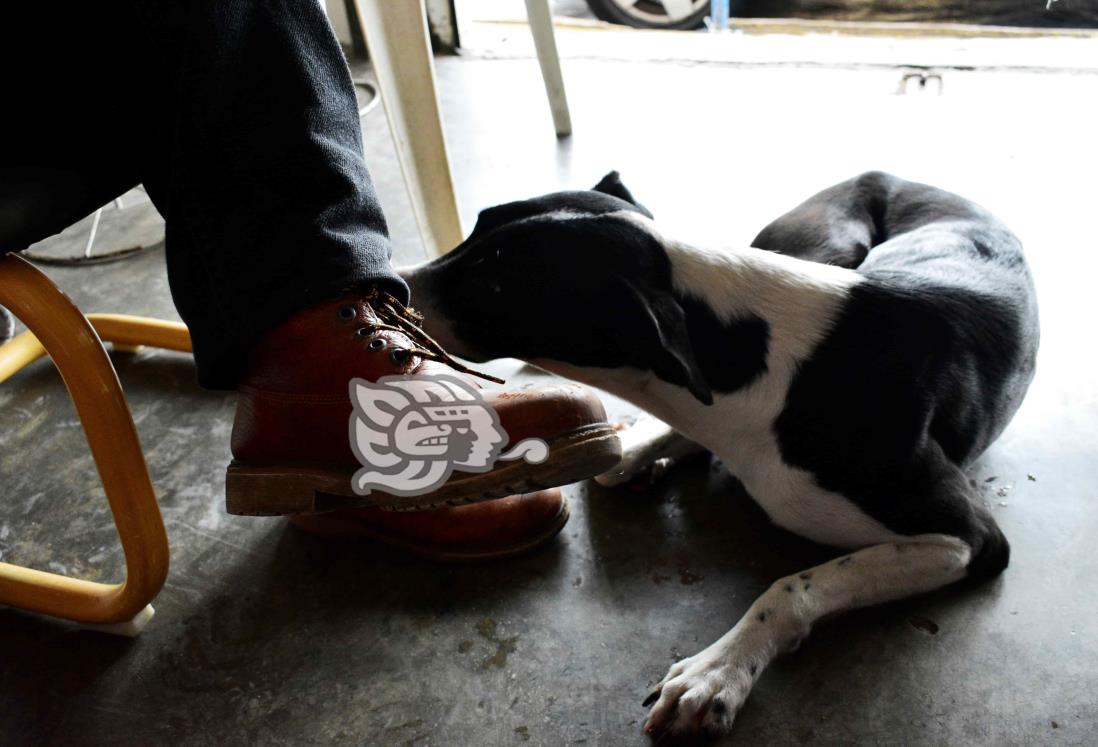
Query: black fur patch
(926,364)
(731,354)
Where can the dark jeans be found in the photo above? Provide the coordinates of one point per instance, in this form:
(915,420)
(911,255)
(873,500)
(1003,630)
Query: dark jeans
(240,119)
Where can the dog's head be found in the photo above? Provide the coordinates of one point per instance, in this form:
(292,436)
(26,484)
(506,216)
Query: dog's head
(577,278)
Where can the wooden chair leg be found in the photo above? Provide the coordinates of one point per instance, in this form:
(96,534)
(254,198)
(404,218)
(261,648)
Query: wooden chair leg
(400,50)
(57,328)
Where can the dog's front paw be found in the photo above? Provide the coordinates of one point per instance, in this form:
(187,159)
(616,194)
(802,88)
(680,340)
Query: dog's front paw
(635,472)
(703,692)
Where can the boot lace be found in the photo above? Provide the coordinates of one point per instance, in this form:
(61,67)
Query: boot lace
(396,317)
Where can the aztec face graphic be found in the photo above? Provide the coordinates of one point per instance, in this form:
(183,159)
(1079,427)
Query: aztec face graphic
(411,434)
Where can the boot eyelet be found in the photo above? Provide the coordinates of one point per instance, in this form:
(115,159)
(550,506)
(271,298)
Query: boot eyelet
(364,331)
(378,343)
(399,356)
(346,313)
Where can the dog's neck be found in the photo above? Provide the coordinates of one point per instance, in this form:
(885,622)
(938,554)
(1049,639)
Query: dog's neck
(796,300)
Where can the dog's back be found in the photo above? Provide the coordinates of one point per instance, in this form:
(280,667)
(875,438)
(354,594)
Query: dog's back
(947,299)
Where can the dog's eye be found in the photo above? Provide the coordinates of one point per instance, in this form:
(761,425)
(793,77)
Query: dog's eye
(486,272)
(486,261)
(505,257)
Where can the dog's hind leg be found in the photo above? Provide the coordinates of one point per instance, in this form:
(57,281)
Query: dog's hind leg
(842,224)
(837,226)
(649,445)
(705,691)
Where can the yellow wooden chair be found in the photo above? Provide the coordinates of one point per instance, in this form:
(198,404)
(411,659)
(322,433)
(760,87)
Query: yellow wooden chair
(55,327)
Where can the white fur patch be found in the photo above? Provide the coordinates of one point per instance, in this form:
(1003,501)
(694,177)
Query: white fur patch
(799,301)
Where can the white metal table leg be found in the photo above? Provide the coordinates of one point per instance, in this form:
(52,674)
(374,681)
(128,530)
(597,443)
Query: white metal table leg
(541,26)
(400,50)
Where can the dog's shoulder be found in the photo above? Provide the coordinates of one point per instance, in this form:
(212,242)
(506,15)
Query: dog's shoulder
(907,359)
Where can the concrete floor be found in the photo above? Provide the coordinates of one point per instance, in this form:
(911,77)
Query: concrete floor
(266,636)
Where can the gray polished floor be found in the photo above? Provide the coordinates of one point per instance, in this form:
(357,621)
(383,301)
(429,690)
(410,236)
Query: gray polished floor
(267,636)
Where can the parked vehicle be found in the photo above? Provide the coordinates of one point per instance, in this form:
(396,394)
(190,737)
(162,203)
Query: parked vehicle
(652,14)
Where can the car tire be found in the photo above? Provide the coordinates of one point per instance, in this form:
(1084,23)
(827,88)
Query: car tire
(646,14)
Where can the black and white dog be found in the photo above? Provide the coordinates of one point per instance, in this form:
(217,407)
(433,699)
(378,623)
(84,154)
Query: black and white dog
(846,370)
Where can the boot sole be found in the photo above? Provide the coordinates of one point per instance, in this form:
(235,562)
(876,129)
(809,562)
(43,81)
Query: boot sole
(334,526)
(286,490)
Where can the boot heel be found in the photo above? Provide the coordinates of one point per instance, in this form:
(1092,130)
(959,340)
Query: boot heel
(257,491)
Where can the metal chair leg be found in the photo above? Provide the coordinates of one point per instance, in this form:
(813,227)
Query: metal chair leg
(57,328)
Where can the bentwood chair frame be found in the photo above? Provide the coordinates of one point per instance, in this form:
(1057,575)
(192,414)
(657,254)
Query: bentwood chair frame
(55,327)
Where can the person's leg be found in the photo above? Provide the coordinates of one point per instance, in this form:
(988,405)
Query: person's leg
(240,119)
(279,263)
(251,148)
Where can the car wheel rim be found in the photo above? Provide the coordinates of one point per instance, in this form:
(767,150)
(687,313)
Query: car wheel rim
(662,12)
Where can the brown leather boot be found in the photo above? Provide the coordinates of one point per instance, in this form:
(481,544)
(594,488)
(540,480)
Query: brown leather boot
(292,435)
(481,531)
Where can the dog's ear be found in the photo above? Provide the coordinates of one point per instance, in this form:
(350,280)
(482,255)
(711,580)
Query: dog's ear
(665,342)
(611,184)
